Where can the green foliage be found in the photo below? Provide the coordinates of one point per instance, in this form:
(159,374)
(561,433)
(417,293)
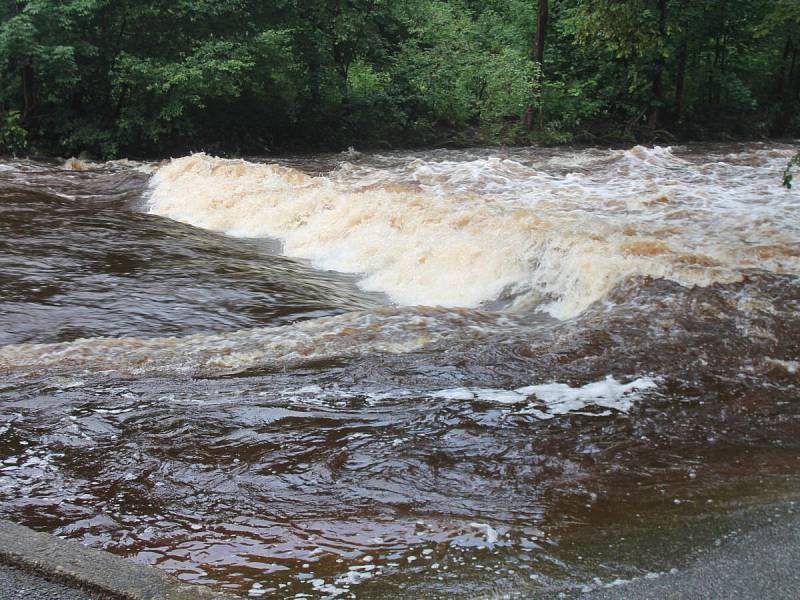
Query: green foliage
(788,173)
(123,77)
(455,75)
(13,136)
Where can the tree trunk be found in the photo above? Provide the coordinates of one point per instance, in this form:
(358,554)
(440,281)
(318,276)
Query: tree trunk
(27,92)
(26,76)
(781,78)
(680,80)
(541,32)
(784,92)
(658,68)
(542,19)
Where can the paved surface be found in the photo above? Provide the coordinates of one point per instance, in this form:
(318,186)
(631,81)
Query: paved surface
(17,585)
(78,566)
(763,564)
(760,565)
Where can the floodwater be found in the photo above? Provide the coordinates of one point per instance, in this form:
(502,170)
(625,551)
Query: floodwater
(419,374)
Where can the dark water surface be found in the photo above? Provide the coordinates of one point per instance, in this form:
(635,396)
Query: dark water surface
(441,374)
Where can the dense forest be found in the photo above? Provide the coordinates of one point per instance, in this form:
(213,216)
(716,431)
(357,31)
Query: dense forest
(151,77)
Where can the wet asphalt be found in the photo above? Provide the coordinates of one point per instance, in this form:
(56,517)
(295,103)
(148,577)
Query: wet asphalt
(16,585)
(763,564)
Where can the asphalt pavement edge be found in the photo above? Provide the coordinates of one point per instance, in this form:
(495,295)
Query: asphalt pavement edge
(100,573)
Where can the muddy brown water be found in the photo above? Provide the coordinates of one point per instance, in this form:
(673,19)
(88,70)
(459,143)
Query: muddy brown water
(413,374)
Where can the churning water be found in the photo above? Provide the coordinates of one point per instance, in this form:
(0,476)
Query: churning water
(409,374)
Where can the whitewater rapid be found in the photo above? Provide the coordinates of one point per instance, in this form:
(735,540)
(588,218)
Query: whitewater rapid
(341,374)
(468,233)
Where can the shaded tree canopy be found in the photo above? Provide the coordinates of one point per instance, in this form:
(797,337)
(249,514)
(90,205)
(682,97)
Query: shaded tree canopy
(149,77)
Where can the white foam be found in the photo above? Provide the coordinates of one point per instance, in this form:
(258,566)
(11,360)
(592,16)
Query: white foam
(543,401)
(461,233)
(490,532)
(78,164)
(307,389)
(560,398)
(550,399)
(455,394)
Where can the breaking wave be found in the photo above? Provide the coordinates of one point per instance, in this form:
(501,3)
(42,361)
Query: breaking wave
(468,233)
(349,335)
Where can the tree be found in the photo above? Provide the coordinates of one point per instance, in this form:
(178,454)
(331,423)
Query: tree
(162,77)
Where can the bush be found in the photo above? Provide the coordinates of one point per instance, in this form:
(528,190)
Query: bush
(788,173)
(13,135)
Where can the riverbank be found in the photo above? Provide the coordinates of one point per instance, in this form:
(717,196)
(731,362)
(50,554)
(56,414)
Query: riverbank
(455,140)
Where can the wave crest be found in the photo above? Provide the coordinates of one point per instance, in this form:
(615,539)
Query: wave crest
(423,246)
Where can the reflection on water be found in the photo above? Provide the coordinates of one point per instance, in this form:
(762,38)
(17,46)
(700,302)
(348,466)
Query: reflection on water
(253,400)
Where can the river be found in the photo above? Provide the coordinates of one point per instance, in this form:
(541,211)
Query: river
(445,373)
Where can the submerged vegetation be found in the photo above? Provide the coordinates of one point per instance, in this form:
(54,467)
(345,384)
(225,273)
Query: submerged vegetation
(788,173)
(130,77)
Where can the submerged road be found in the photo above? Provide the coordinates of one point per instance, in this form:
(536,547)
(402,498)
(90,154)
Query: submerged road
(16,585)
(758,565)
(763,564)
